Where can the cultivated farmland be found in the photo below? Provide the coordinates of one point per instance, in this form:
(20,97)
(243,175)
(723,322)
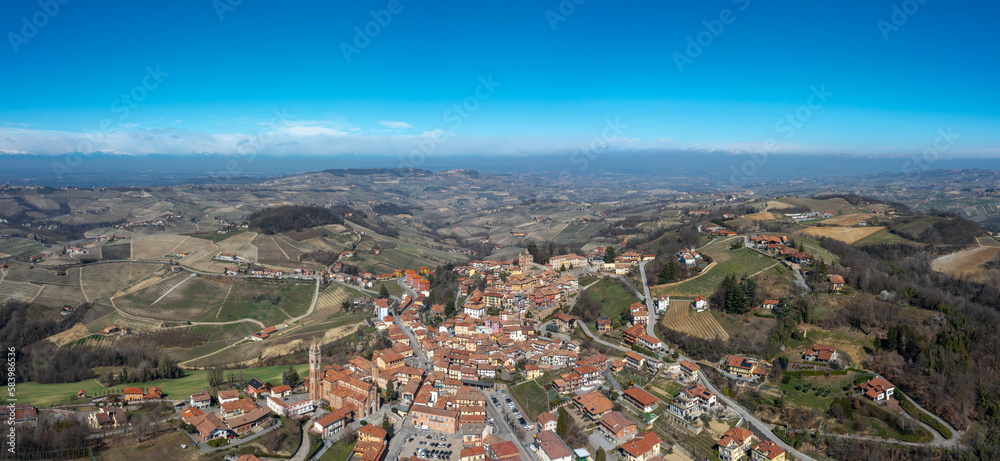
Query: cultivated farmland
(727,262)
(20,290)
(968,261)
(680,317)
(101,281)
(844,234)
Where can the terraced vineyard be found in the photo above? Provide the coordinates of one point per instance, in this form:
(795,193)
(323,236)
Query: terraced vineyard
(101,281)
(681,318)
(43,276)
(20,247)
(333,296)
(20,290)
(139,301)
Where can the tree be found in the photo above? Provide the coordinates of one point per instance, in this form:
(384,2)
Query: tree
(609,254)
(387,425)
(215,378)
(562,424)
(290,377)
(390,392)
(669,272)
(601,455)
(383,292)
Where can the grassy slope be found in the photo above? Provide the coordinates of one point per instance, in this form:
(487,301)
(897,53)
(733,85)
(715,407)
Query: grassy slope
(180,388)
(614,299)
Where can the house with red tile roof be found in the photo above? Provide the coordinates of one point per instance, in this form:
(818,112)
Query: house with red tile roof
(767,451)
(640,399)
(643,447)
(821,353)
(502,451)
(877,389)
(616,427)
(735,444)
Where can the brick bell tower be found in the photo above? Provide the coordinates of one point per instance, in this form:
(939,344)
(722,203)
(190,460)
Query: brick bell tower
(315,372)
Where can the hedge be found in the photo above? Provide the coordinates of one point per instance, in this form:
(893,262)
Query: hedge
(815,373)
(910,408)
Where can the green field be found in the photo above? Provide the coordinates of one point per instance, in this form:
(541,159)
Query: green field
(743,261)
(269,301)
(180,388)
(808,397)
(391,286)
(882,236)
(532,398)
(340,451)
(207,300)
(214,236)
(614,299)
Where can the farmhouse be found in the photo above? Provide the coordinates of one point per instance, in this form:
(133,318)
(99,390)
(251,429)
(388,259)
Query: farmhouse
(106,417)
(821,353)
(603,325)
(769,304)
(836,282)
(700,303)
(877,389)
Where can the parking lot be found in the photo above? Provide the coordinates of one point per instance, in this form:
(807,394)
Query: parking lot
(508,407)
(433,447)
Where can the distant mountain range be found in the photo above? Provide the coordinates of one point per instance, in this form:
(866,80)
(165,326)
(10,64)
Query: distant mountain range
(723,169)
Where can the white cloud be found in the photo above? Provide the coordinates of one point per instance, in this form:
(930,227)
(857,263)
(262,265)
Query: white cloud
(395,125)
(313,137)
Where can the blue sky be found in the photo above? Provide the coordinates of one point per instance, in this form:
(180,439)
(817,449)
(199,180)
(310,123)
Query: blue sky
(216,73)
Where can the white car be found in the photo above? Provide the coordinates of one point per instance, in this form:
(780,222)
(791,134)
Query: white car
(184,446)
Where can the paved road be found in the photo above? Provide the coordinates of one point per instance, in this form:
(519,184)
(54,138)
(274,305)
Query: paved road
(757,424)
(303,452)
